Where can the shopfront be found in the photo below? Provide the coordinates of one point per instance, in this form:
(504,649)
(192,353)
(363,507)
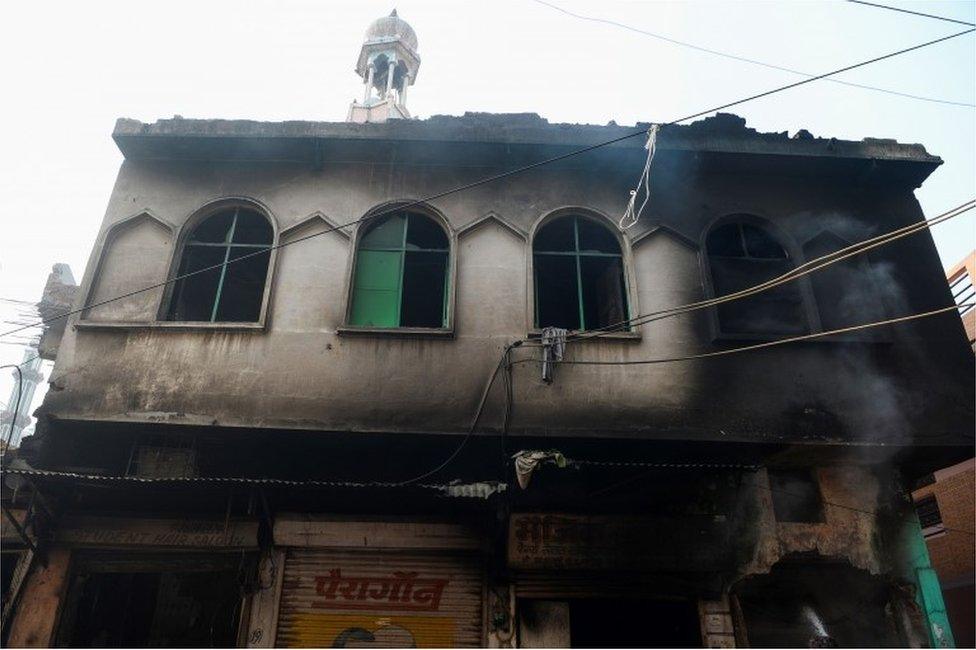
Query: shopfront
(383,584)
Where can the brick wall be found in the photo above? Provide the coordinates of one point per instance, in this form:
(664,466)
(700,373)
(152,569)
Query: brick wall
(952,553)
(965,267)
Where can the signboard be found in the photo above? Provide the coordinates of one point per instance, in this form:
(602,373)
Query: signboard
(180,533)
(557,541)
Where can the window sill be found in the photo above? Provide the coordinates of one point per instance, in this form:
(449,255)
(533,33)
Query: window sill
(167,325)
(590,335)
(398,332)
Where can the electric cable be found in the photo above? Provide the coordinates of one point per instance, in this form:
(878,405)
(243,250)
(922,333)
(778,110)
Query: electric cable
(817,265)
(914,13)
(505,356)
(16,411)
(793,274)
(757,346)
(502,363)
(743,59)
(490,179)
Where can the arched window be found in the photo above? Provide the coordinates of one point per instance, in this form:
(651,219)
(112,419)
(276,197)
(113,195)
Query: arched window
(401,277)
(232,292)
(742,254)
(579,275)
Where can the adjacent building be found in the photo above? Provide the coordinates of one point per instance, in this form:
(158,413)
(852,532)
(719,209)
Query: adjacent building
(960,279)
(326,423)
(944,503)
(944,499)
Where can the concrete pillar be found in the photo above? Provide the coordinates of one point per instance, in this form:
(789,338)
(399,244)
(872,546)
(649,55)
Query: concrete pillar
(916,567)
(403,92)
(717,629)
(40,601)
(369,82)
(263,623)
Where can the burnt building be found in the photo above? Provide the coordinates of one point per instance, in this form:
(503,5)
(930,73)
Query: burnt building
(337,416)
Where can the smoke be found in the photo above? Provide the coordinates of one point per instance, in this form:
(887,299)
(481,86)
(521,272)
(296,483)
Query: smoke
(813,619)
(873,396)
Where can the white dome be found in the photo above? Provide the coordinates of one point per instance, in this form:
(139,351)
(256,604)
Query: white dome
(392,26)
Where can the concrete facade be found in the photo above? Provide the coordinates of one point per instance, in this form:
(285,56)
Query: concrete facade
(301,368)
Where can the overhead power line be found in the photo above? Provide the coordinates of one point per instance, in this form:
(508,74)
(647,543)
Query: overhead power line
(743,59)
(914,13)
(757,346)
(493,178)
(791,275)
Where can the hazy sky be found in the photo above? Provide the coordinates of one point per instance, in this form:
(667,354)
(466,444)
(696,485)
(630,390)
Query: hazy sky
(71,68)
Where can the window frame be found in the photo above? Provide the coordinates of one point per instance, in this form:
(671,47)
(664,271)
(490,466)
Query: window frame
(794,255)
(865,264)
(934,529)
(387,211)
(626,261)
(186,231)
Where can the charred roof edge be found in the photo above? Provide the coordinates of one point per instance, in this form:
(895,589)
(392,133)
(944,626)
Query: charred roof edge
(180,138)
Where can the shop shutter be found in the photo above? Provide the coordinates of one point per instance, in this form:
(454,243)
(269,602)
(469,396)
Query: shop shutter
(332,598)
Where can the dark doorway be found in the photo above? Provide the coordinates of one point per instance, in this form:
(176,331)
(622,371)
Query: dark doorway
(633,623)
(817,604)
(133,606)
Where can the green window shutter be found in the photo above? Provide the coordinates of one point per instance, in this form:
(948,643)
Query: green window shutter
(388,234)
(376,295)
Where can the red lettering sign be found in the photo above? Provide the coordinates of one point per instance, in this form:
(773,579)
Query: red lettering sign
(402,591)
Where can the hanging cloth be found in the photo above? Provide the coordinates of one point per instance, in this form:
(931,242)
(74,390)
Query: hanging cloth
(527,460)
(553,346)
(631,217)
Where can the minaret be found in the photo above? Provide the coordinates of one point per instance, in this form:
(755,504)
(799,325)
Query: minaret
(388,64)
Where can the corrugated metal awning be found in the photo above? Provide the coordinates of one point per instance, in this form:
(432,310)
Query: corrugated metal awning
(455,489)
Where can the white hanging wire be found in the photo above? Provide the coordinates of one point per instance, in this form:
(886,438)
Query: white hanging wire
(631,217)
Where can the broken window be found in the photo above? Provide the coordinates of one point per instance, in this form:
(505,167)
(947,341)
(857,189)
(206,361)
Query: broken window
(579,275)
(163,456)
(401,275)
(740,256)
(228,291)
(929,516)
(845,291)
(796,496)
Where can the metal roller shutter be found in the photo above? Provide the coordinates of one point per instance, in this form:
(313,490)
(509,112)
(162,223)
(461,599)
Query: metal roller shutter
(331,598)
